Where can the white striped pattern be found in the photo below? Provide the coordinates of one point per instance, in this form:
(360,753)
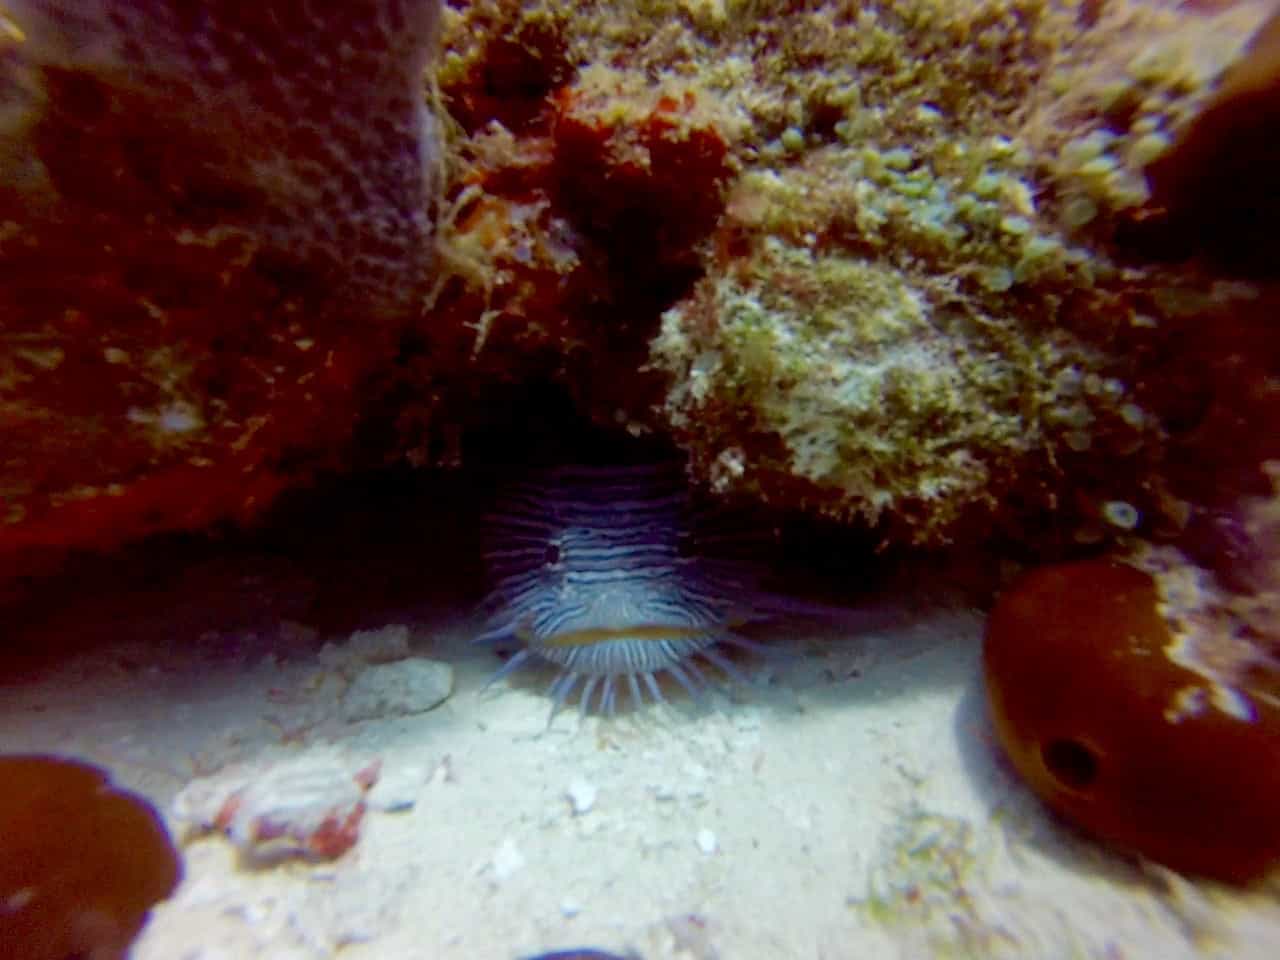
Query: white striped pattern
(579,556)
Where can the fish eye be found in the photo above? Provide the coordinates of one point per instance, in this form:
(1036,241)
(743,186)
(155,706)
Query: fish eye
(551,554)
(686,545)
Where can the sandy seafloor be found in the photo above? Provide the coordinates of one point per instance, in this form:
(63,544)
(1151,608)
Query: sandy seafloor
(849,805)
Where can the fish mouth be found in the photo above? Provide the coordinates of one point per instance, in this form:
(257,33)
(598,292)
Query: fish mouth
(587,636)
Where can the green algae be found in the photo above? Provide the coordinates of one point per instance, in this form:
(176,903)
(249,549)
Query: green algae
(916,270)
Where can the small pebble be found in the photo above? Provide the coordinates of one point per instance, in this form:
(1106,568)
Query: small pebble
(397,788)
(507,859)
(570,907)
(398,689)
(582,796)
(664,792)
(707,841)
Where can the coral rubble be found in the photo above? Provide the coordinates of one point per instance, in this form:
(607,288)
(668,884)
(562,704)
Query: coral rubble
(309,807)
(898,263)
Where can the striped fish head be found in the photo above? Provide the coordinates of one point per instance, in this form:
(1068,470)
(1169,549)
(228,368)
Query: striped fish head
(596,573)
(582,555)
(613,577)
(623,576)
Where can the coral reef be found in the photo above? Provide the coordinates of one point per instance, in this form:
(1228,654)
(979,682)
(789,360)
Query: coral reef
(1165,742)
(918,311)
(900,263)
(81,862)
(579,202)
(923,302)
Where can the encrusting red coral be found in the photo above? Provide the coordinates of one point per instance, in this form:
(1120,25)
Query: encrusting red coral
(310,807)
(655,161)
(600,173)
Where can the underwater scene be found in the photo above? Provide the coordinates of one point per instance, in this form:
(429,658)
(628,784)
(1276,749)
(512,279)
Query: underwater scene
(649,480)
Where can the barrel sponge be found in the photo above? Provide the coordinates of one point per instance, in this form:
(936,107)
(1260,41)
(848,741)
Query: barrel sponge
(1129,731)
(82,862)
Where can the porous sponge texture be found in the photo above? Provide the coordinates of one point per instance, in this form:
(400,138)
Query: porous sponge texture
(219,222)
(306,123)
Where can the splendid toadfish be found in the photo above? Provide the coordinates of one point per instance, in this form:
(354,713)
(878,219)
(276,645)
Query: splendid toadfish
(611,576)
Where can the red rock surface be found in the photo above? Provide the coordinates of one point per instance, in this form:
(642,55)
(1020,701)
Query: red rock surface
(216,226)
(203,300)
(576,217)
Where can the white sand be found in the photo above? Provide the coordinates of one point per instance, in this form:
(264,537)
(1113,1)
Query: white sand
(851,808)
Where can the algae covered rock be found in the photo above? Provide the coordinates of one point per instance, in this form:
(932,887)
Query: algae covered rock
(918,305)
(838,374)
(888,262)
(919,308)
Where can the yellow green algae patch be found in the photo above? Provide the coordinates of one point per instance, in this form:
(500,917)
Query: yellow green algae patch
(915,305)
(924,882)
(870,389)
(914,308)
